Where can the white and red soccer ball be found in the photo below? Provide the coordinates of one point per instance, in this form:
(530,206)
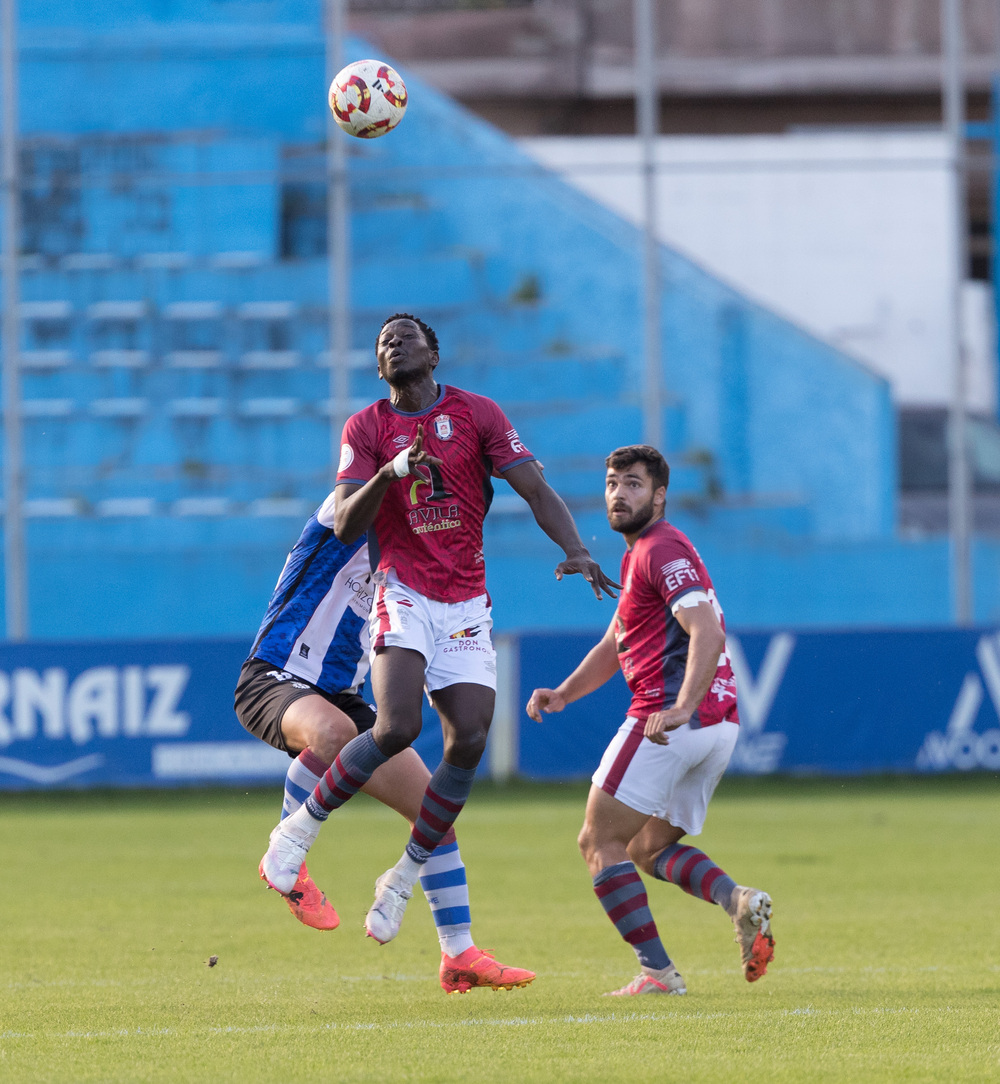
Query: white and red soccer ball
(368,98)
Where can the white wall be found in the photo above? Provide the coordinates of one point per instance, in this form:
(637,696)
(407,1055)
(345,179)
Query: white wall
(845,232)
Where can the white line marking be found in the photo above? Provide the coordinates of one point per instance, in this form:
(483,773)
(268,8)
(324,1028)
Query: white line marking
(491,1022)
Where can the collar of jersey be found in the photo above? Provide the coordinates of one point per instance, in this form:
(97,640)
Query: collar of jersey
(648,528)
(417,413)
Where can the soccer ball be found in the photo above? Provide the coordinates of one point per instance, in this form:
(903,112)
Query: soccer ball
(368,98)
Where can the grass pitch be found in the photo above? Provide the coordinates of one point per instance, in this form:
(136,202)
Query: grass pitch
(887,968)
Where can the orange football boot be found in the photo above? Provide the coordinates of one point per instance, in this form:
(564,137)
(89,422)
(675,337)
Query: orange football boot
(753,932)
(477,968)
(307,903)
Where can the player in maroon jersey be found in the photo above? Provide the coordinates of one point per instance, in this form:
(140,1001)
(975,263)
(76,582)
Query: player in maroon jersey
(656,777)
(415,474)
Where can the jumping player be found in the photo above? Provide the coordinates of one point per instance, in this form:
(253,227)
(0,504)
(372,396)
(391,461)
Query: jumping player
(656,777)
(299,691)
(415,469)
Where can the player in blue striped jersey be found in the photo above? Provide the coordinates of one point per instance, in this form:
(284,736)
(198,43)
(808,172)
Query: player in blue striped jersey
(300,691)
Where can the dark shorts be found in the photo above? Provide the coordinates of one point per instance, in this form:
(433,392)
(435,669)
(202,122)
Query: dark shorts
(264,692)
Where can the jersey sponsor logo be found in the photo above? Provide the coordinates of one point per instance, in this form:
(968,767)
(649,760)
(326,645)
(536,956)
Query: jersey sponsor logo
(723,688)
(960,745)
(404,602)
(463,633)
(363,593)
(346,456)
(432,518)
(515,442)
(428,474)
(624,659)
(443,429)
(679,573)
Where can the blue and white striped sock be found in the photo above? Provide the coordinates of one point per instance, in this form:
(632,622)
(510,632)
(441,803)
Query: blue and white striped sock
(301,779)
(442,877)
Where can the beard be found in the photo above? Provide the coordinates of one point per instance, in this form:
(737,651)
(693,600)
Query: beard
(635,522)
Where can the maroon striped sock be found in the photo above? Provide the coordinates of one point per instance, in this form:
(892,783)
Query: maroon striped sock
(695,872)
(622,895)
(446,794)
(354,766)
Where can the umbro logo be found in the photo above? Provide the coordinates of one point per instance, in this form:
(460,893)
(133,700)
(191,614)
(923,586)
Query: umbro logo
(401,440)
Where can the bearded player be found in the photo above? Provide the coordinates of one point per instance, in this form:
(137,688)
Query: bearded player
(415,472)
(655,780)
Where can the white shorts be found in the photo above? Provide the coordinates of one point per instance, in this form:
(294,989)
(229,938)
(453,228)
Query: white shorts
(453,637)
(673,782)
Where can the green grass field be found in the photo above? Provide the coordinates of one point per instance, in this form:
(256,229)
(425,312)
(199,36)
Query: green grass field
(887,969)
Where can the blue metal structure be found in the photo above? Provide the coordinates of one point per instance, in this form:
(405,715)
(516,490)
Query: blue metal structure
(176,378)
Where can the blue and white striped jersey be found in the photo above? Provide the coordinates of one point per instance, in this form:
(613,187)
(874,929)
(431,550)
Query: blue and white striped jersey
(316,625)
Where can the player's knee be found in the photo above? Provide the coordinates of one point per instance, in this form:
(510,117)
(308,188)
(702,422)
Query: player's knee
(587,842)
(465,747)
(641,856)
(396,733)
(330,735)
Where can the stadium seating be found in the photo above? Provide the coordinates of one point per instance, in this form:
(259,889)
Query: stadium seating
(177,391)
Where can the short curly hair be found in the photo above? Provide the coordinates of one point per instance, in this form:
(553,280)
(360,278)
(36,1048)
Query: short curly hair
(656,465)
(429,334)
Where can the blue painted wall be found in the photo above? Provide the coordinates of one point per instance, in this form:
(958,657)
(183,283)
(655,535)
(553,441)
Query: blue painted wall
(194,129)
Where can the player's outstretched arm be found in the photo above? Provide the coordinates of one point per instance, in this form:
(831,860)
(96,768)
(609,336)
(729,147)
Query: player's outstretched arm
(552,515)
(599,665)
(356,506)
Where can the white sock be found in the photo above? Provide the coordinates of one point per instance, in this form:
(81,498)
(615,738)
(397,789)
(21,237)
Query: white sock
(408,870)
(302,825)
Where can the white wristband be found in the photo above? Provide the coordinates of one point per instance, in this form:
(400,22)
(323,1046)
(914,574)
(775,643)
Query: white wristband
(401,463)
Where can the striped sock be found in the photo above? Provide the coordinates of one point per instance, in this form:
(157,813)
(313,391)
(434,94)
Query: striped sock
(620,890)
(354,766)
(442,878)
(301,779)
(695,872)
(446,794)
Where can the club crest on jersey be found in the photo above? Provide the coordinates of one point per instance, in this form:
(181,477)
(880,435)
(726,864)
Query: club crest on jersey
(463,634)
(443,429)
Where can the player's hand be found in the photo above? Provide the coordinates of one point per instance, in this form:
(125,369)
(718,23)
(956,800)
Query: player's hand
(418,456)
(547,700)
(590,570)
(660,723)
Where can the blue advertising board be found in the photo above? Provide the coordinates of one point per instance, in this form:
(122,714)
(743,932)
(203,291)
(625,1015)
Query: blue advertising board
(811,703)
(161,714)
(124,714)
(134,714)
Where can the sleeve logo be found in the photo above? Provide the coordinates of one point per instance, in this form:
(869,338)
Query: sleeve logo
(679,573)
(515,442)
(346,457)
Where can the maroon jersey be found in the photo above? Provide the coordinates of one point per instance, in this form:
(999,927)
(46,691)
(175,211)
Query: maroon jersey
(661,567)
(430,529)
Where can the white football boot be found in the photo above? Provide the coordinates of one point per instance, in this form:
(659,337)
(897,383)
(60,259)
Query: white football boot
(385,916)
